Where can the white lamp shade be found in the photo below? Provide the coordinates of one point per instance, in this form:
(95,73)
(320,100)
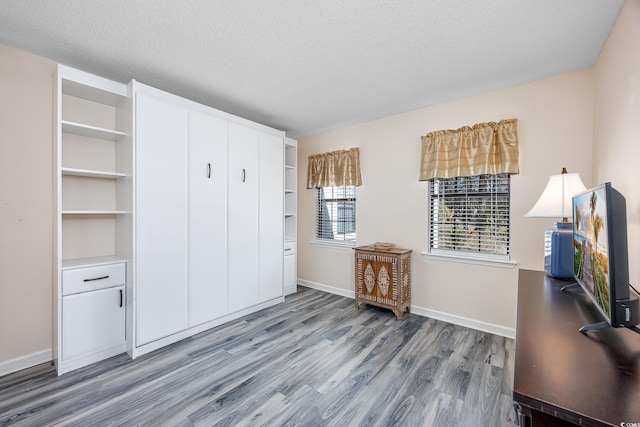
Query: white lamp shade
(555,201)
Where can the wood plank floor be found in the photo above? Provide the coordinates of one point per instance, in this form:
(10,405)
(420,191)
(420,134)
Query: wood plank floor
(313,361)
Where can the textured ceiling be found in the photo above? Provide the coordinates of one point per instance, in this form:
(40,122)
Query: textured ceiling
(307,66)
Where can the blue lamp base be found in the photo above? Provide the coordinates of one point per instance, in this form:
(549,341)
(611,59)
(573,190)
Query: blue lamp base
(558,251)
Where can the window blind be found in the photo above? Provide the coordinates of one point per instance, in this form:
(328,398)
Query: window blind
(336,213)
(470,214)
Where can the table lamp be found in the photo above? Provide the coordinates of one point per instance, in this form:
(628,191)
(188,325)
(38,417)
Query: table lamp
(556,202)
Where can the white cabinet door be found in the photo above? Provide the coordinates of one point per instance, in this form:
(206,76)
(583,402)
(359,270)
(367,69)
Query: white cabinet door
(290,278)
(92,322)
(161,218)
(243,147)
(207,243)
(271,209)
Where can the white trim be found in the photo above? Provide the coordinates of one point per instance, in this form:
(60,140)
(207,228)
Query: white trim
(466,259)
(326,288)
(24,362)
(333,244)
(425,312)
(465,321)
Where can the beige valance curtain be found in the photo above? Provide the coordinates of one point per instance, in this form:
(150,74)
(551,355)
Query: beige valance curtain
(335,168)
(484,148)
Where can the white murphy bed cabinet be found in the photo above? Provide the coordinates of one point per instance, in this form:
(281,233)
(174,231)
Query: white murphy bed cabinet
(169,218)
(207,218)
(270,214)
(208,214)
(255,228)
(160,274)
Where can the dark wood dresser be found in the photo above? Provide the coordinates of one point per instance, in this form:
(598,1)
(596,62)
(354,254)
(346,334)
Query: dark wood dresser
(562,376)
(383,278)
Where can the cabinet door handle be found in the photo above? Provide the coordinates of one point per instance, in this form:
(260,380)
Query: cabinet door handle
(120,297)
(244,175)
(209,170)
(96,278)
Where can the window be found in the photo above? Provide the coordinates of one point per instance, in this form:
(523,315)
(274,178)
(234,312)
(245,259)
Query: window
(336,214)
(470,215)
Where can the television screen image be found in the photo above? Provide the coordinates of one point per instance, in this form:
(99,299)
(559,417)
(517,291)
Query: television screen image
(591,251)
(601,259)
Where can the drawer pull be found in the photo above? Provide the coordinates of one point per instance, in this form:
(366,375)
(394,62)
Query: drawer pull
(96,278)
(120,297)
(287,250)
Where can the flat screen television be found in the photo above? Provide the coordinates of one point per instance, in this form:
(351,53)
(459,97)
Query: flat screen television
(601,261)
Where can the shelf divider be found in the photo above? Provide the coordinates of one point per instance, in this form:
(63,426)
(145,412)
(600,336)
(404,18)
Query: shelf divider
(91,173)
(91,131)
(93,212)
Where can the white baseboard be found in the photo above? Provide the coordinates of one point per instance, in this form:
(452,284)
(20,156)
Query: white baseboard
(465,321)
(425,312)
(23,362)
(326,288)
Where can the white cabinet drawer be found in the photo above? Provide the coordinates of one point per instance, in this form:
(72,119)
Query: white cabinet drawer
(289,248)
(79,280)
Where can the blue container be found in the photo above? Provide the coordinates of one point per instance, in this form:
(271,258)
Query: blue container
(558,251)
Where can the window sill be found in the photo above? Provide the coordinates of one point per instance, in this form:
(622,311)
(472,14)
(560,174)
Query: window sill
(333,245)
(501,263)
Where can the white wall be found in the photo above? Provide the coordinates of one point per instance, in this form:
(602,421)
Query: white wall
(555,119)
(617,121)
(26,134)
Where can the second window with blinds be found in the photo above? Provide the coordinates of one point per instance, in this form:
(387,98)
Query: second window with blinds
(336,215)
(470,216)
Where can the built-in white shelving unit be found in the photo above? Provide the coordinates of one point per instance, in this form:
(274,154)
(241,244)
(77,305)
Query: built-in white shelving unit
(290,214)
(92,195)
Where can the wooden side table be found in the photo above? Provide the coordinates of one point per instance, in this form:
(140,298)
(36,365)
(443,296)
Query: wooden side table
(383,278)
